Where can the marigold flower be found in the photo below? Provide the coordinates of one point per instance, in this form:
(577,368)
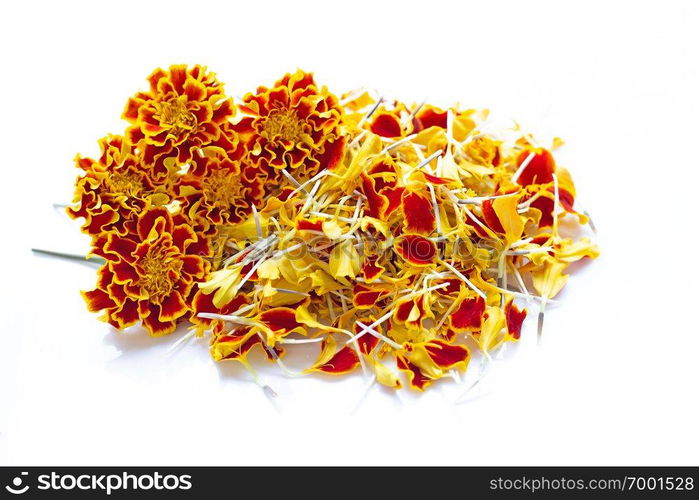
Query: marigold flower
(114,189)
(293,126)
(149,275)
(214,192)
(183,110)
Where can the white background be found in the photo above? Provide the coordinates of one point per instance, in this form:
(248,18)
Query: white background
(616,379)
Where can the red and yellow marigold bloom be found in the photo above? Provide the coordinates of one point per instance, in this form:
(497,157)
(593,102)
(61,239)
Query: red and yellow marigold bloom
(294,126)
(113,189)
(182,111)
(149,275)
(215,191)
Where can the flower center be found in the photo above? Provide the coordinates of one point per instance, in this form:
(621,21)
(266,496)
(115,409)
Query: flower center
(222,189)
(283,124)
(159,268)
(175,115)
(126,184)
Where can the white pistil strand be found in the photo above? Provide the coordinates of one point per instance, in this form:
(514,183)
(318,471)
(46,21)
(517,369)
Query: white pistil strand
(371,331)
(424,291)
(477,221)
(365,392)
(258,226)
(427,160)
(397,143)
(310,198)
(285,290)
(477,200)
(435,208)
(330,216)
(371,112)
(589,222)
(352,97)
(446,314)
(301,187)
(365,329)
(485,365)
(301,341)
(249,274)
(464,279)
(234,317)
(556,203)
(359,137)
(520,283)
(543,249)
(180,342)
(292,179)
(269,392)
(540,323)
(412,114)
(522,167)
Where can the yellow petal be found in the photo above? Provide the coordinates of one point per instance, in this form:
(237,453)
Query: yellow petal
(491,332)
(344,260)
(549,278)
(224,281)
(570,251)
(332,229)
(513,223)
(269,269)
(386,376)
(323,283)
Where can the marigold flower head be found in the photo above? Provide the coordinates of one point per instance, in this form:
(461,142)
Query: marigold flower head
(182,111)
(149,274)
(293,126)
(215,192)
(114,189)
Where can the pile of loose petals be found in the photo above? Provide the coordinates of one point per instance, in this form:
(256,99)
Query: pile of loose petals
(396,237)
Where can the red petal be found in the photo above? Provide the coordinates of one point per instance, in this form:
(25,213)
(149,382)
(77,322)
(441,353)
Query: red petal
(97,300)
(416,249)
(515,317)
(386,125)
(365,297)
(332,154)
(127,316)
(154,326)
(280,319)
(417,379)
(376,203)
(431,118)
(172,307)
(367,342)
(370,269)
(469,314)
(394,196)
(436,180)
(124,272)
(344,360)
(445,355)
(545,206)
(491,218)
(403,310)
(156,216)
(120,248)
(418,213)
(540,169)
(306,225)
